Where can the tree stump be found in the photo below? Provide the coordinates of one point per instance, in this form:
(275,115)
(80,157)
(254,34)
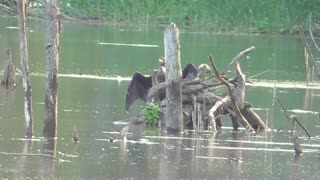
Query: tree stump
(173,113)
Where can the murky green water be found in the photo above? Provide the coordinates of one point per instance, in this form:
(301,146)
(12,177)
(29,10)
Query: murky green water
(91,97)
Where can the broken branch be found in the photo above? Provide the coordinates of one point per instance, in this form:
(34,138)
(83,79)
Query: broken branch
(236,109)
(294,119)
(240,56)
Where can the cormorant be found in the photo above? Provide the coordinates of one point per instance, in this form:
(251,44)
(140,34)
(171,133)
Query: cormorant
(140,84)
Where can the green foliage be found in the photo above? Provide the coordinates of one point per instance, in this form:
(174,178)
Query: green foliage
(212,15)
(151,113)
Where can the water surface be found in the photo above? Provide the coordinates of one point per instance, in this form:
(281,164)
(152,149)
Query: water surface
(96,63)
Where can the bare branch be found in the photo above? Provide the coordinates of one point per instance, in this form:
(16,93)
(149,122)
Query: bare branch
(311,35)
(240,56)
(294,119)
(236,109)
(313,61)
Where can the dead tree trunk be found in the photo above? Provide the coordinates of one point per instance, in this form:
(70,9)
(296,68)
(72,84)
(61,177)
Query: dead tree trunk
(173,114)
(25,69)
(52,48)
(9,76)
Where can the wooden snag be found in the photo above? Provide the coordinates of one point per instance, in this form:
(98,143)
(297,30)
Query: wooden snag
(52,49)
(25,68)
(173,113)
(8,77)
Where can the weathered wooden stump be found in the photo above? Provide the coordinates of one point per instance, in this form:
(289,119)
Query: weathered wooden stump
(173,113)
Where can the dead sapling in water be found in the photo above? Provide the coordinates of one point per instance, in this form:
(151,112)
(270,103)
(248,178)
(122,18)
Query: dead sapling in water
(295,138)
(294,119)
(296,144)
(123,133)
(9,77)
(75,136)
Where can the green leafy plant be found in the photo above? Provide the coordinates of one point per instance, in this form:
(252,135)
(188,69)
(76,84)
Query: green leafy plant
(151,113)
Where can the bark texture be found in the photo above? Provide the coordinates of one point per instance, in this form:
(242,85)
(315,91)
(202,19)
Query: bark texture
(25,68)
(173,113)
(52,50)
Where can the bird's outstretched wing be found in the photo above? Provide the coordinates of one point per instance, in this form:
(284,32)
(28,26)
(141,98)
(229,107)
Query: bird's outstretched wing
(189,72)
(138,89)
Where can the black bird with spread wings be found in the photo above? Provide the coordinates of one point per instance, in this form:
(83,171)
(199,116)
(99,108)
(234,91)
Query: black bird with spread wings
(140,84)
(138,89)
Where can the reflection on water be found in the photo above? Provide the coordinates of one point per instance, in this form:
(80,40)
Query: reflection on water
(46,164)
(22,163)
(94,75)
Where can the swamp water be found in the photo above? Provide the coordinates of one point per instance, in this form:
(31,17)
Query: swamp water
(96,64)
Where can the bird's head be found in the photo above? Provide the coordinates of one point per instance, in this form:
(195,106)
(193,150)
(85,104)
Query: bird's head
(204,68)
(162,61)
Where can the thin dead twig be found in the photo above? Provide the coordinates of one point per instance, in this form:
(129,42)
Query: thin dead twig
(313,61)
(294,119)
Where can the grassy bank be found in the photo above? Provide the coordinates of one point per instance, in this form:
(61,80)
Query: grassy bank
(199,15)
(213,15)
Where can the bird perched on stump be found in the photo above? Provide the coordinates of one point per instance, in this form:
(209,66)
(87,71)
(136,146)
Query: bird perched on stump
(161,75)
(203,69)
(140,84)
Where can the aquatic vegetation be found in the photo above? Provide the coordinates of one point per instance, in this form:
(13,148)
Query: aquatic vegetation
(151,113)
(212,15)
(284,16)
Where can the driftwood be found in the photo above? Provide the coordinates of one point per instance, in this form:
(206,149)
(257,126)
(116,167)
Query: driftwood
(240,89)
(215,108)
(234,105)
(203,107)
